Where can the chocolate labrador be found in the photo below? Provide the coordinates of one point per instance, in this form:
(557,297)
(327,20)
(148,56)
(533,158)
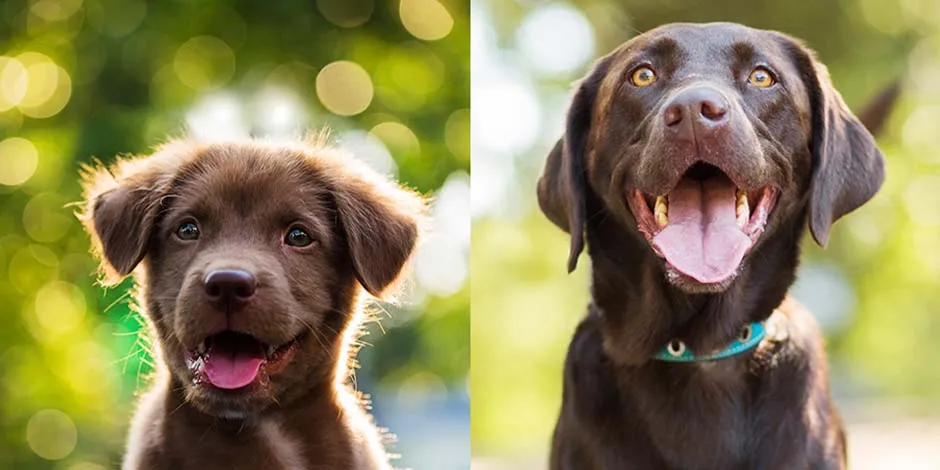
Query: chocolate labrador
(693,157)
(253,261)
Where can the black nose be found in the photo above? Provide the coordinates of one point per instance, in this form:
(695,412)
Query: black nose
(229,288)
(696,106)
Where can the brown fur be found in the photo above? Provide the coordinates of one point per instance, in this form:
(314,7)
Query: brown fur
(245,196)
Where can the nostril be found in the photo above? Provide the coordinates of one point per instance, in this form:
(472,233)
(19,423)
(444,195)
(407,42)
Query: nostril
(213,290)
(673,115)
(245,291)
(228,285)
(713,110)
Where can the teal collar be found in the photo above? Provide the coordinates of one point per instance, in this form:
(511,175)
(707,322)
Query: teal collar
(676,351)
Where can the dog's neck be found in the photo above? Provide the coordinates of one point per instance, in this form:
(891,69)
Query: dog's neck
(641,311)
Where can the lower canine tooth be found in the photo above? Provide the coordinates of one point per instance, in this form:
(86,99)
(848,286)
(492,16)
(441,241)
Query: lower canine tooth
(742,210)
(660,211)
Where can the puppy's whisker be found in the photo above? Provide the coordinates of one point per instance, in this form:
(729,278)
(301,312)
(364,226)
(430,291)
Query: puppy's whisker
(120,298)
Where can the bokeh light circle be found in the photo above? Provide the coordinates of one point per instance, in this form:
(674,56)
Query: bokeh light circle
(116,18)
(457,133)
(47,90)
(51,434)
(59,308)
(344,88)
(18,161)
(346,13)
(556,39)
(14,80)
(204,63)
(368,149)
(398,137)
(55,10)
(45,218)
(425,19)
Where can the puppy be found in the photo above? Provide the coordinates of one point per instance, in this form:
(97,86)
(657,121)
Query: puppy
(251,260)
(693,157)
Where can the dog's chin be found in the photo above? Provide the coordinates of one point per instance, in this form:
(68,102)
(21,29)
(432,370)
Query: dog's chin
(703,228)
(229,376)
(691,286)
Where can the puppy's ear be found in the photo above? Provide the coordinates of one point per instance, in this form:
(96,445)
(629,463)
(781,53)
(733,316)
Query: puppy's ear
(563,186)
(121,207)
(848,168)
(381,223)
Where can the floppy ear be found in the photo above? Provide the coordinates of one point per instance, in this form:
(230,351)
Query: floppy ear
(848,168)
(381,224)
(563,185)
(121,208)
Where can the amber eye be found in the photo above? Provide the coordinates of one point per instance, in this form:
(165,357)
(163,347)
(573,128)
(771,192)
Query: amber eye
(761,78)
(296,236)
(188,231)
(643,76)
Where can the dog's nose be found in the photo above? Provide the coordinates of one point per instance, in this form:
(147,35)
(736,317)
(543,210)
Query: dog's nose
(698,107)
(229,288)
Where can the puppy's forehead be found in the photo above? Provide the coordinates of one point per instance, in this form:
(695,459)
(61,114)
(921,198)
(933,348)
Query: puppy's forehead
(248,179)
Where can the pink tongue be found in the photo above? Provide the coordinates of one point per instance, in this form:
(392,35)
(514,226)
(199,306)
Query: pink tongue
(702,239)
(232,369)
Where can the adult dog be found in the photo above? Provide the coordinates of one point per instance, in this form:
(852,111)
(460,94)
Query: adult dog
(254,258)
(693,157)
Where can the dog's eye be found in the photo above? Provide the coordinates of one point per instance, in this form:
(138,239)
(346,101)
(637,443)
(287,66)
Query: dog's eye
(761,78)
(187,231)
(296,236)
(643,76)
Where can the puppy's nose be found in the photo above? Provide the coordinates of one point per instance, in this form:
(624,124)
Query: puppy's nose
(697,107)
(229,288)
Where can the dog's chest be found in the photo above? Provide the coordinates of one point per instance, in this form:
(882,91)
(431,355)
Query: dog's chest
(285,451)
(705,412)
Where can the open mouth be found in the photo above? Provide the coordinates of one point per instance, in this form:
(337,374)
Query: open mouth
(232,360)
(706,224)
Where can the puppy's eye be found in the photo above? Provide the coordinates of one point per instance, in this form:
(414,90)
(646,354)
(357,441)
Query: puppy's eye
(761,78)
(296,236)
(643,76)
(187,231)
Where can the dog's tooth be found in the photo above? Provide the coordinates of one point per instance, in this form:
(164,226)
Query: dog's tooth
(742,209)
(661,211)
(270,352)
(202,348)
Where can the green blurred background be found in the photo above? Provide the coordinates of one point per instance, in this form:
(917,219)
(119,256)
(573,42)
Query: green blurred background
(875,290)
(84,78)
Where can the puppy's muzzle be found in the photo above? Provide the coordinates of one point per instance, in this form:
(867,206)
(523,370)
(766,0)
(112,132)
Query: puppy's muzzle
(229,289)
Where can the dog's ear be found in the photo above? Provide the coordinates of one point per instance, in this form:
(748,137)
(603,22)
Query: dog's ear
(121,207)
(848,168)
(563,187)
(381,223)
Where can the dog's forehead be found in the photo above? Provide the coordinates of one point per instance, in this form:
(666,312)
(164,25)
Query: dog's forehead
(702,47)
(250,179)
(715,51)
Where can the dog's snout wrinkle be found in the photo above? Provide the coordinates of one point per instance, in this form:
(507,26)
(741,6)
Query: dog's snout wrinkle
(229,288)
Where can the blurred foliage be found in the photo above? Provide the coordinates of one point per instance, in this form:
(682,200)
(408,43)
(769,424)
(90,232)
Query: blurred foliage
(885,255)
(97,78)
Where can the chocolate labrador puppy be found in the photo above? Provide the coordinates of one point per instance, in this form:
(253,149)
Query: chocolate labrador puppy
(254,259)
(693,157)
